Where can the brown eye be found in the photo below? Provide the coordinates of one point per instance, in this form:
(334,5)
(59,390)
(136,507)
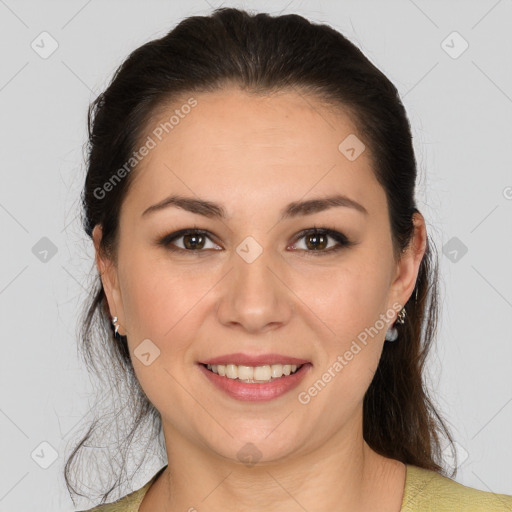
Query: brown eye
(193,240)
(317,241)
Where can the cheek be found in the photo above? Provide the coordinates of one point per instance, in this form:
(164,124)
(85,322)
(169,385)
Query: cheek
(350,356)
(160,301)
(353,298)
(159,306)
(352,303)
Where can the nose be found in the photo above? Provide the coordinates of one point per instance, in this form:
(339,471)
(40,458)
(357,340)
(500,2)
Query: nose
(254,296)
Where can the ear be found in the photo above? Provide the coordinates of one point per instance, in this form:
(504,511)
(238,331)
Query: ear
(109,278)
(408,267)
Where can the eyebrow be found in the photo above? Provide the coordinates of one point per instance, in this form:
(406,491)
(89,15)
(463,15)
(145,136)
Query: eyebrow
(294,209)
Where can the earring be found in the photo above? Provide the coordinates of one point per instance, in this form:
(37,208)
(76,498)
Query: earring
(392,333)
(114,320)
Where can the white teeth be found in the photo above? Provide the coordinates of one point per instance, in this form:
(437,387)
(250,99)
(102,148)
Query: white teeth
(231,371)
(264,373)
(277,370)
(261,373)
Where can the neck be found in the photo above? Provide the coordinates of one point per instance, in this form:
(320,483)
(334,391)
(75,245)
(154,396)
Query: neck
(342,474)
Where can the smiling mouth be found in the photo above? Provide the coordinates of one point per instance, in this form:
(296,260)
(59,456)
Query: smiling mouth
(254,374)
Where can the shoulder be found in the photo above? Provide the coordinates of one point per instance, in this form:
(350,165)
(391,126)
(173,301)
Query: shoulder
(429,490)
(128,503)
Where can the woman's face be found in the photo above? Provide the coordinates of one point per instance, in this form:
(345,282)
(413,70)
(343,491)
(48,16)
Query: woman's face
(254,285)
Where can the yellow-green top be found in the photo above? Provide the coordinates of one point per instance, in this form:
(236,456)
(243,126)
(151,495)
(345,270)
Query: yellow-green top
(425,491)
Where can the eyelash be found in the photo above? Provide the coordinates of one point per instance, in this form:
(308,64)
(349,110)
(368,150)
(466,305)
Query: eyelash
(340,238)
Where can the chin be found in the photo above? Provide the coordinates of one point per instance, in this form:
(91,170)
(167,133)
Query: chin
(258,446)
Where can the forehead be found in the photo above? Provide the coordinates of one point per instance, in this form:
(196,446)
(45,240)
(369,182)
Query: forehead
(238,148)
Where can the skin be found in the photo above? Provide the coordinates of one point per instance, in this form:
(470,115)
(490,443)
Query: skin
(254,155)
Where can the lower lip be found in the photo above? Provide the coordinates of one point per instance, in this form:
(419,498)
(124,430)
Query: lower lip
(256,392)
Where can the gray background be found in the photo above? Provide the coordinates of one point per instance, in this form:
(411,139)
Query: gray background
(460,109)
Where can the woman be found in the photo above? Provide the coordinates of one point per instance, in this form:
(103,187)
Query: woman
(268,277)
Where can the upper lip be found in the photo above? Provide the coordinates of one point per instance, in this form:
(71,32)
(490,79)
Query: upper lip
(254,360)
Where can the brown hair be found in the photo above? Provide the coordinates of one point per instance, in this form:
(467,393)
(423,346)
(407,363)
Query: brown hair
(260,54)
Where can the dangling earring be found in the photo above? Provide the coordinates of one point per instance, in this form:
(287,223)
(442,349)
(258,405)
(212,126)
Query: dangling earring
(114,320)
(392,332)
